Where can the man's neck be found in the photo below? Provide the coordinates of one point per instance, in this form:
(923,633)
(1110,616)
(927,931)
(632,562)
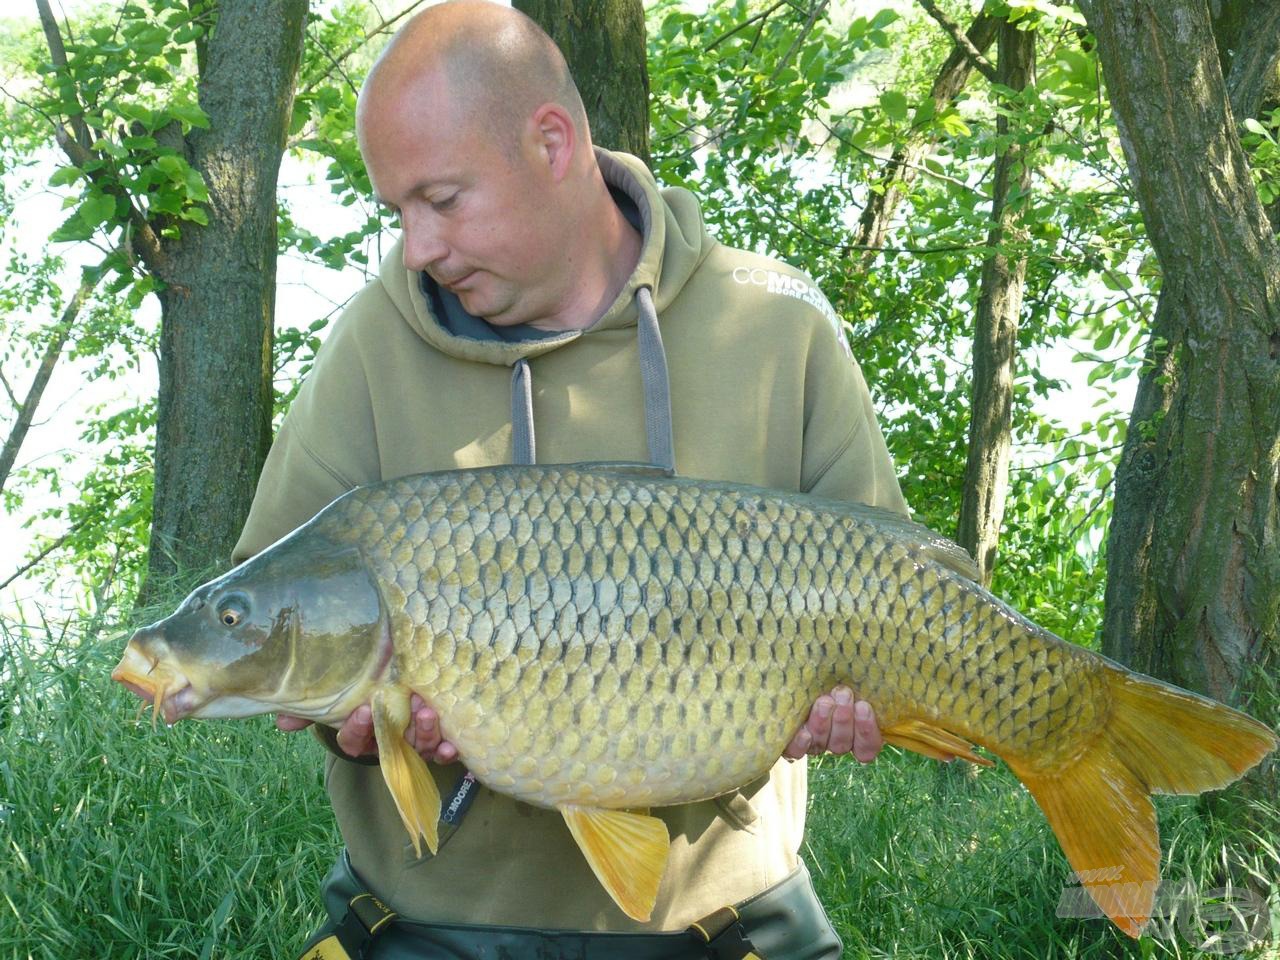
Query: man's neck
(603,261)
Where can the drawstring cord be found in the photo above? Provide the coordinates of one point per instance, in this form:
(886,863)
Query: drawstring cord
(653,377)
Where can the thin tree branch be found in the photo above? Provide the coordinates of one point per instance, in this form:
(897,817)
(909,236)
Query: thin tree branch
(358,45)
(1074,456)
(31,564)
(53,351)
(931,174)
(814,13)
(9,390)
(952,29)
(58,55)
(77,145)
(765,15)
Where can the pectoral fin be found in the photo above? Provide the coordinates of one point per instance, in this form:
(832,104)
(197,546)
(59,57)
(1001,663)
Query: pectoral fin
(414,791)
(931,741)
(627,851)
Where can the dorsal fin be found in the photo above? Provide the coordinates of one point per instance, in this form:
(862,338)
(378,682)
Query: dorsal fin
(933,545)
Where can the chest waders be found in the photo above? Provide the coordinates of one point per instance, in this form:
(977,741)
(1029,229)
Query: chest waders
(785,922)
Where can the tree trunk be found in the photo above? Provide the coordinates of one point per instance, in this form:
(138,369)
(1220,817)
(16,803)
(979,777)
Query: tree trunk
(604,42)
(903,166)
(995,339)
(1193,584)
(214,412)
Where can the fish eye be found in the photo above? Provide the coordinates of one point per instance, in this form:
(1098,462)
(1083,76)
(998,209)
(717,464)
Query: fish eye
(231,611)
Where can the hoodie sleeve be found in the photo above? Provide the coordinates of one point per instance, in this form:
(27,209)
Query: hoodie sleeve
(845,456)
(326,444)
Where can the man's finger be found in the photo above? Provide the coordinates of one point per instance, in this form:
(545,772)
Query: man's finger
(289,723)
(446,752)
(866,733)
(842,737)
(355,736)
(819,725)
(799,745)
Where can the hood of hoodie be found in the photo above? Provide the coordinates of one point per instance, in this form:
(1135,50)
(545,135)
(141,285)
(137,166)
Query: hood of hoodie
(674,241)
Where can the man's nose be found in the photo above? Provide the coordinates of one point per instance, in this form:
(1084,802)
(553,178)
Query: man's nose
(423,244)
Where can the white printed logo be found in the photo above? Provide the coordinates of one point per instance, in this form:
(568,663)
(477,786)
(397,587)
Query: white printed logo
(787,285)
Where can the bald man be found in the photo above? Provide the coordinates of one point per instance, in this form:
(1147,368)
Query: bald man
(547,301)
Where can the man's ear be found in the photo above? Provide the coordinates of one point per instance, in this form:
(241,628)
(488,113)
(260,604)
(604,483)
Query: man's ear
(555,138)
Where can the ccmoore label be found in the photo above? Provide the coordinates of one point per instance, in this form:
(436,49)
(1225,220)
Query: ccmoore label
(798,288)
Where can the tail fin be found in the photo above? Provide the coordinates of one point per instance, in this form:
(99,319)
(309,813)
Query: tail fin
(1157,739)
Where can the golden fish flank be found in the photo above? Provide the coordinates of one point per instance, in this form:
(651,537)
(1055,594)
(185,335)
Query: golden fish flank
(598,638)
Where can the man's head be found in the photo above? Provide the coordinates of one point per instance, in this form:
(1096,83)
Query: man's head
(472,128)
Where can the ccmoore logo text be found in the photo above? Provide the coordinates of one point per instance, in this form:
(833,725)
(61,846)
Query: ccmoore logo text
(788,285)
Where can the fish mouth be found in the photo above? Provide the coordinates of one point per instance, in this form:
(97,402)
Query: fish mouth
(165,688)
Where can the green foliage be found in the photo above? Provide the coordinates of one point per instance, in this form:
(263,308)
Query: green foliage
(791,180)
(128,88)
(1260,142)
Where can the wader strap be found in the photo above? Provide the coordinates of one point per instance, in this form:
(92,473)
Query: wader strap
(724,936)
(367,916)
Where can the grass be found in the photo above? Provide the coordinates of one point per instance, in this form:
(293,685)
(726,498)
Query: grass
(208,840)
(913,859)
(204,840)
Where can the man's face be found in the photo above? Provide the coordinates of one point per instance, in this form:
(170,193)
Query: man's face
(477,215)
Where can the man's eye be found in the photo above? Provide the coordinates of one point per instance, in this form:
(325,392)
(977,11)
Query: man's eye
(444,203)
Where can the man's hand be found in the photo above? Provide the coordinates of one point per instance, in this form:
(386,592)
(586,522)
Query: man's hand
(355,736)
(838,725)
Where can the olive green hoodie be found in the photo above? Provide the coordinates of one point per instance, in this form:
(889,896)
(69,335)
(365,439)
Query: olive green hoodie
(762,391)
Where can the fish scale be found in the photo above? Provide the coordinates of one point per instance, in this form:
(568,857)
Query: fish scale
(602,638)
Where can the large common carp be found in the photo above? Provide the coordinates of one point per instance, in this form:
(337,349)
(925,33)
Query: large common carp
(599,639)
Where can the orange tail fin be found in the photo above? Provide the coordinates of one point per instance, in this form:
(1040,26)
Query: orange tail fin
(1157,739)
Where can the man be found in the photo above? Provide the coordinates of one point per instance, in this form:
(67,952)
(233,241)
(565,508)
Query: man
(524,313)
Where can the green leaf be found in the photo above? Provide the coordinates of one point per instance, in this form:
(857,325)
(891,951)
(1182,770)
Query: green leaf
(190,115)
(171,165)
(884,18)
(97,209)
(71,230)
(65,175)
(894,103)
(1253,126)
(196,215)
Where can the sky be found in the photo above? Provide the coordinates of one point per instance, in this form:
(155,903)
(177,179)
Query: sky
(306,292)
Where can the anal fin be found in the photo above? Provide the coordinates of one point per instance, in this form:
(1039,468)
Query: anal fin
(414,791)
(626,851)
(932,741)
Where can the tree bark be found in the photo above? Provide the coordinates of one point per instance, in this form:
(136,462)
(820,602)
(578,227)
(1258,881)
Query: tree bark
(995,339)
(604,43)
(215,401)
(1248,42)
(1193,583)
(903,166)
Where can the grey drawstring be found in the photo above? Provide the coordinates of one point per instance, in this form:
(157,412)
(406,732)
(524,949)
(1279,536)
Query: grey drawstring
(657,388)
(523,447)
(653,376)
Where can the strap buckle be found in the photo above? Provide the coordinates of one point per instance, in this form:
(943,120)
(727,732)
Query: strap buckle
(366,918)
(724,936)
